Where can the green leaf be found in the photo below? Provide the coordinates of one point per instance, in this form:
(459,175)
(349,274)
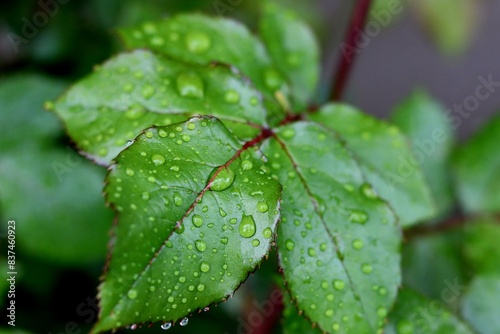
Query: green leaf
(40,181)
(424,121)
(433,265)
(134,91)
(294,50)
(21,116)
(196,216)
(338,242)
(477,170)
(481,247)
(480,305)
(451,23)
(294,323)
(202,40)
(385,159)
(416,314)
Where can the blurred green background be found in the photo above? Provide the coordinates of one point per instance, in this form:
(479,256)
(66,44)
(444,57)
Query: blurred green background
(54,194)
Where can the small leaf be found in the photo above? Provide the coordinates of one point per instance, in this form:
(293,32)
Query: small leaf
(477,170)
(480,305)
(294,50)
(481,247)
(202,40)
(385,159)
(416,314)
(424,121)
(338,242)
(451,23)
(196,216)
(137,90)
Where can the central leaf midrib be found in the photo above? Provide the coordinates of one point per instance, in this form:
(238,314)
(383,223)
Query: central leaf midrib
(251,143)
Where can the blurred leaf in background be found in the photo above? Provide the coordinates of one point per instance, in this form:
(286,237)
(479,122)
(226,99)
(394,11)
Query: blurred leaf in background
(450,23)
(51,192)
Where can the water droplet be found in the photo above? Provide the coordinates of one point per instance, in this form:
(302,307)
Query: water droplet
(129,142)
(197,42)
(184,322)
(204,267)
(180,230)
(232,96)
(200,245)
(262,207)
(102,151)
(323,246)
(367,191)
(135,111)
(338,284)
(272,78)
(224,240)
(267,233)
(366,268)
(246,165)
(166,326)
(382,312)
(289,244)
(247,227)
(357,244)
(329,312)
(330,297)
(311,252)
(186,138)
(197,220)
(175,168)
(224,179)
(129,172)
(148,91)
(158,159)
(190,85)
(255,242)
(324,285)
(288,133)
(358,216)
(177,199)
(191,126)
(200,287)
(132,294)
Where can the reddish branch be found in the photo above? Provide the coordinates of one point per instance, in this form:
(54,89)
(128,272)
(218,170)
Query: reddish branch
(351,39)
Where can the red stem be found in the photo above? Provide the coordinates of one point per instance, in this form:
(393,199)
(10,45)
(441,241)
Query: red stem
(351,38)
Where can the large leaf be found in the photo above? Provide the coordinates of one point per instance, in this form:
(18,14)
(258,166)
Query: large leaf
(40,180)
(196,215)
(294,50)
(201,40)
(424,121)
(385,158)
(481,247)
(416,314)
(477,170)
(137,90)
(338,242)
(480,305)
